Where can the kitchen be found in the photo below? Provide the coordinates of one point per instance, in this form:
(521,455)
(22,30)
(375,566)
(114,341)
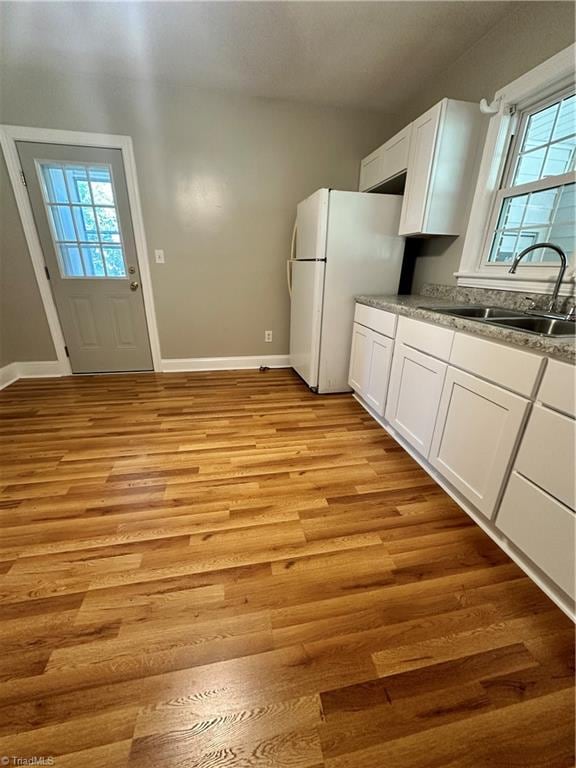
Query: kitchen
(330,497)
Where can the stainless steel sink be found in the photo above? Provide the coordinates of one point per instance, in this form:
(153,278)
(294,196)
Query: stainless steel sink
(510,318)
(476,312)
(544,326)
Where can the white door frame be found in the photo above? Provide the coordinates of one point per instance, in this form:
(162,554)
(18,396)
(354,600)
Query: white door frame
(9,135)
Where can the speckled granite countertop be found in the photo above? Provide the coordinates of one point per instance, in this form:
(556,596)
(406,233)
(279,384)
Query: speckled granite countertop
(413,306)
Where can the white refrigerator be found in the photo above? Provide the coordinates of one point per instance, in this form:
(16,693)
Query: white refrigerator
(344,244)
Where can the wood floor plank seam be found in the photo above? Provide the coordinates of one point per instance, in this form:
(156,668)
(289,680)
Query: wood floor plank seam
(223,569)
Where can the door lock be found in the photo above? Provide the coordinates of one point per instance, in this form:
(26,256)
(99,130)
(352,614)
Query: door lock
(131,269)
(134,286)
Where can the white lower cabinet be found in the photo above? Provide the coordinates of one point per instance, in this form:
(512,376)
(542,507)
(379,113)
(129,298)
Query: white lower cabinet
(370,366)
(476,431)
(542,527)
(358,358)
(414,394)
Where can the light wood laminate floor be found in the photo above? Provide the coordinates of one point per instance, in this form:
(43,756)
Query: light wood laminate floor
(223,570)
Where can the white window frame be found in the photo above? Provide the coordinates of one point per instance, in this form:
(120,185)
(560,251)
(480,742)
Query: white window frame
(553,76)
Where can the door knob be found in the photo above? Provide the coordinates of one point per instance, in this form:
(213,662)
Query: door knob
(134,286)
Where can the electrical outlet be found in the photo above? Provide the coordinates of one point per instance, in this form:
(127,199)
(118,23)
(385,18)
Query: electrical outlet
(267,335)
(159,256)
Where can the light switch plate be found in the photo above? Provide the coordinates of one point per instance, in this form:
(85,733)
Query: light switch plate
(159,256)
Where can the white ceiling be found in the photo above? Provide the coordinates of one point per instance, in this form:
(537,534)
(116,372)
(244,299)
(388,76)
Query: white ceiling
(358,54)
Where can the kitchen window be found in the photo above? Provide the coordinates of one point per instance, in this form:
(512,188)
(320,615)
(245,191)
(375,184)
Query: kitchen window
(526,187)
(536,201)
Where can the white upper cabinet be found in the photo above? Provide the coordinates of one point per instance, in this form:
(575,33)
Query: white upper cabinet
(438,152)
(386,162)
(371,171)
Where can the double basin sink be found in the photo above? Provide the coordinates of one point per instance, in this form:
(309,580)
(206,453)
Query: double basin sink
(510,318)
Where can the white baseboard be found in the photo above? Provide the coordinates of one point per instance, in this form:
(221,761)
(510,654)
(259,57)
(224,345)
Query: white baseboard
(174,365)
(30,370)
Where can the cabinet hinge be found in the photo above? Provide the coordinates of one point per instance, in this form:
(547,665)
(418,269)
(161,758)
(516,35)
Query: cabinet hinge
(66,350)
(23,178)
(47,272)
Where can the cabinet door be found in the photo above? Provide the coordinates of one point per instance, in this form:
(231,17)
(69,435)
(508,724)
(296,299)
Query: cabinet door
(477,429)
(395,154)
(420,163)
(415,387)
(371,170)
(358,375)
(379,359)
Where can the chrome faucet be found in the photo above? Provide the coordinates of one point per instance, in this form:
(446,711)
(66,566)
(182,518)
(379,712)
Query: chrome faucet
(563,264)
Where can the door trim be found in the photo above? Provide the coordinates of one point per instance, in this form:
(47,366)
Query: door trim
(9,135)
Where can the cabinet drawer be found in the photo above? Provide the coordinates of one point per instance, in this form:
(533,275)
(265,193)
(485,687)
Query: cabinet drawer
(432,339)
(371,170)
(377,319)
(542,528)
(547,453)
(558,388)
(511,368)
(395,154)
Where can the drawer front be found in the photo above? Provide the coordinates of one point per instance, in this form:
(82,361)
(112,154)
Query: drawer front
(395,154)
(547,454)
(377,319)
(511,368)
(542,528)
(371,170)
(558,388)
(432,339)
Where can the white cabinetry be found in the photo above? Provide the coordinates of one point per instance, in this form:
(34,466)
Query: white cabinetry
(438,152)
(371,171)
(542,528)
(476,431)
(442,156)
(537,511)
(414,395)
(371,355)
(386,162)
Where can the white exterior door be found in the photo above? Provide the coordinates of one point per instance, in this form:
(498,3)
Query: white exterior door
(80,204)
(476,431)
(414,395)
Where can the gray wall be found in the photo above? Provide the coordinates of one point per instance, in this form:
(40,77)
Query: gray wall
(220,176)
(529,35)
(24,332)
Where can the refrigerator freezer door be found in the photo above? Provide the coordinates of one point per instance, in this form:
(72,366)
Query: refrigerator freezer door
(311,226)
(306,318)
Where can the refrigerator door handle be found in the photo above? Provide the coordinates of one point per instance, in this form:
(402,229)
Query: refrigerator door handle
(289,276)
(291,259)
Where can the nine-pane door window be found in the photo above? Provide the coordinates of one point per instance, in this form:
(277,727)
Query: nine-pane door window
(83,217)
